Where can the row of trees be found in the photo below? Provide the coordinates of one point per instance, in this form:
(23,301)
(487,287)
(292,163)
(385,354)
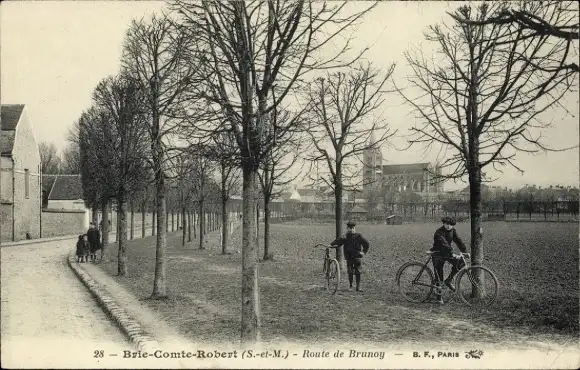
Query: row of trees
(234,94)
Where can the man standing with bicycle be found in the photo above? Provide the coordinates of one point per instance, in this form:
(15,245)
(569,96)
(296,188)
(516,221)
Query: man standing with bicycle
(443,252)
(355,247)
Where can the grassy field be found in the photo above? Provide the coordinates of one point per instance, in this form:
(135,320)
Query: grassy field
(536,264)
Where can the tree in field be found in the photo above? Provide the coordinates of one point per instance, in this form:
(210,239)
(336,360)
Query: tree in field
(185,176)
(249,51)
(144,199)
(120,98)
(277,164)
(344,107)
(219,150)
(203,168)
(153,57)
(49,159)
(482,97)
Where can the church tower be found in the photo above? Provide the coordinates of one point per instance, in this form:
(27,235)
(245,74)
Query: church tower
(372,165)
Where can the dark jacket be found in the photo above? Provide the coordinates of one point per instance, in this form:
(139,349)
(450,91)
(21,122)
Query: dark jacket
(353,244)
(94,237)
(442,242)
(82,247)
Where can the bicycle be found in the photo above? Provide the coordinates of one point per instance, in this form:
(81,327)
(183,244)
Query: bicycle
(470,277)
(330,269)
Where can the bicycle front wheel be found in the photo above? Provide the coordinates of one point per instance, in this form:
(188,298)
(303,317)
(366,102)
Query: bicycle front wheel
(477,286)
(332,276)
(415,282)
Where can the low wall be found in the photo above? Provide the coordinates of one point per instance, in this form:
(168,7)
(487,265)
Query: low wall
(57,222)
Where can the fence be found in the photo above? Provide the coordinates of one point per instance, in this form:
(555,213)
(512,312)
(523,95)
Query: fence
(324,212)
(498,210)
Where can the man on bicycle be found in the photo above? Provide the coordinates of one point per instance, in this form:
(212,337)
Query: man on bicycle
(443,252)
(355,247)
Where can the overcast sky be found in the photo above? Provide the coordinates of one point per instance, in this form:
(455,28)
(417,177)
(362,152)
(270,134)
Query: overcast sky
(54,53)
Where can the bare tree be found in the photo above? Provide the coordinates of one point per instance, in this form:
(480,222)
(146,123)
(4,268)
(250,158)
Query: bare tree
(120,98)
(249,50)
(49,159)
(71,159)
(229,178)
(343,106)
(153,56)
(482,99)
(276,166)
(95,143)
(203,167)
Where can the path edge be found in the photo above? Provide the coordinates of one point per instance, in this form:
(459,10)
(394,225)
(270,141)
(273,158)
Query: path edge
(142,340)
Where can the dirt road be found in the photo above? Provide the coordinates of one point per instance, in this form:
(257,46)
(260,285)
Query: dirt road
(49,319)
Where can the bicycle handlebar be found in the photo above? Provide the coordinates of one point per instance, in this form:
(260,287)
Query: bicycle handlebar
(461,255)
(325,246)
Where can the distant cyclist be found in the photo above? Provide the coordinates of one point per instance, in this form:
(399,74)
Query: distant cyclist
(355,247)
(442,240)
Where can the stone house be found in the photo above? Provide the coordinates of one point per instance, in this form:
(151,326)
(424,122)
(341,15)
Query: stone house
(62,192)
(20,177)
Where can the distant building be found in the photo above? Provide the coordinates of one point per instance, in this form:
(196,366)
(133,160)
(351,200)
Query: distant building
(415,177)
(20,177)
(64,193)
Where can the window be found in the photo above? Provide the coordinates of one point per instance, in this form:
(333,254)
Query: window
(26,183)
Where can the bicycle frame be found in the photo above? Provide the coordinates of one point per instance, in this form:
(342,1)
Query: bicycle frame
(466,264)
(327,257)
(326,260)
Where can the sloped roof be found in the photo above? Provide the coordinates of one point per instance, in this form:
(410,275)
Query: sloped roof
(48,182)
(10,115)
(6,142)
(392,169)
(67,187)
(358,209)
(307,192)
(9,118)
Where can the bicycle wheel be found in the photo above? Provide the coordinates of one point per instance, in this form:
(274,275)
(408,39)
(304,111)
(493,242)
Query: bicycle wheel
(477,286)
(332,276)
(415,282)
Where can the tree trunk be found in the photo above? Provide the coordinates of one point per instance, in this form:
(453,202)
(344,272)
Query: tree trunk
(475,212)
(225,223)
(122,222)
(166,220)
(143,216)
(250,328)
(183,226)
(338,215)
(159,282)
(172,221)
(189,219)
(257,226)
(153,223)
(105,228)
(95,215)
(132,220)
(201,224)
(195,220)
(266,227)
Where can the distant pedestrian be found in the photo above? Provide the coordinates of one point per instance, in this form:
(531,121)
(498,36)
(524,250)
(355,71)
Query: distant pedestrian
(94,237)
(83,249)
